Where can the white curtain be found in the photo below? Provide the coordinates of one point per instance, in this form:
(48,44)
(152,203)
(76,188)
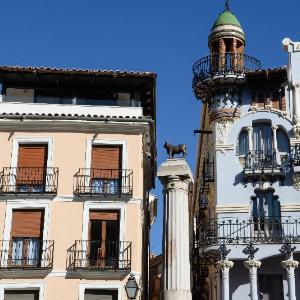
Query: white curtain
(262,137)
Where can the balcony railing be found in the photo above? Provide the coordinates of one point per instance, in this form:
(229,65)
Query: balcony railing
(103,182)
(223,64)
(261,160)
(99,255)
(264,231)
(22,253)
(29,180)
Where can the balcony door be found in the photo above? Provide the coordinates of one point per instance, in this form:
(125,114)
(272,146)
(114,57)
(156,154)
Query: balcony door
(104,227)
(262,137)
(106,173)
(31,168)
(270,287)
(25,246)
(100,295)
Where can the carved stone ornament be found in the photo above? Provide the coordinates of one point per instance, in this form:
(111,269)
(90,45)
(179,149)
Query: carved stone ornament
(225,264)
(221,130)
(290,264)
(296,130)
(296,182)
(250,264)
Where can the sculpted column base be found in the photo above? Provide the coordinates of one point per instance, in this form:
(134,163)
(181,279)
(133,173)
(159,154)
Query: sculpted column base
(177,295)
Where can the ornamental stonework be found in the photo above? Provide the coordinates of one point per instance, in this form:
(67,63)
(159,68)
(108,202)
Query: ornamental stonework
(296,182)
(221,131)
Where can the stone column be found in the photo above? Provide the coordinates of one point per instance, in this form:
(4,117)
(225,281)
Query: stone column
(296,103)
(176,176)
(225,266)
(252,266)
(290,266)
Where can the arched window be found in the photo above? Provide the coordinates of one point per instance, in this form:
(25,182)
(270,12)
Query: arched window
(243,145)
(283,143)
(262,137)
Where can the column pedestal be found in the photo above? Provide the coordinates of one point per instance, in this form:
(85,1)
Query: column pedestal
(225,266)
(253,265)
(290,266)
(176,176)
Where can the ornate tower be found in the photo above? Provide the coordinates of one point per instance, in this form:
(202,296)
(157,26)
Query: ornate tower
(218,76)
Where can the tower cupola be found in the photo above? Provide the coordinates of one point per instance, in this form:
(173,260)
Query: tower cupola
(219,75)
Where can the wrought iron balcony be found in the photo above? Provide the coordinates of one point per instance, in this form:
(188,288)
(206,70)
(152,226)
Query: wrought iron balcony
(103,182)
(99,256)
(262,231)
(26,254)
(258,160)
(223,64)
(29,180)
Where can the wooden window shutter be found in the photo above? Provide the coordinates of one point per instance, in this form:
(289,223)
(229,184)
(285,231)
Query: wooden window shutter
(32,156)
(27,223)
(106,162)
(104,215)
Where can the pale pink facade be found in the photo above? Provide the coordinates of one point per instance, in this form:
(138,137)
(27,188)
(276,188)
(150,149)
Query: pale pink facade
(70,131)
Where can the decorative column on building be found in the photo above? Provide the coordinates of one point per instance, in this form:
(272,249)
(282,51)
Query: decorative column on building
(224,265)
(176,177)
(252,265)
(289,264)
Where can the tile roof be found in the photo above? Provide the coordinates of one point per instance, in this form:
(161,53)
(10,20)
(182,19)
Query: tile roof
(76,71)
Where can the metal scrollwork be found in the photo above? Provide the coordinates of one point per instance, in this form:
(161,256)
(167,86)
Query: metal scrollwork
(287,249)
(250,251)
(223,252)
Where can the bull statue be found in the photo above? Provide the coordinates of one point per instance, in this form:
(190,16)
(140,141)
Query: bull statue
(172,150)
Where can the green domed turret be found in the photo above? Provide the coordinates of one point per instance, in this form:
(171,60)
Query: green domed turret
(227,18)
(226,26)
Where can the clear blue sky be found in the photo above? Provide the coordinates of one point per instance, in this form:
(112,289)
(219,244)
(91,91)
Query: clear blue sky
(162,36)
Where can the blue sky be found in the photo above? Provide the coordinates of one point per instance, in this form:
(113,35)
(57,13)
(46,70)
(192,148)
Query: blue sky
(162,36)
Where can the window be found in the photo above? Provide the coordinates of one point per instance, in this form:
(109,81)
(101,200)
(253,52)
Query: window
(31,168)
(26,238)
(106,173)
(21,295)
(90,294)
(283,143)
(262,137)
(104,230)
(243,145)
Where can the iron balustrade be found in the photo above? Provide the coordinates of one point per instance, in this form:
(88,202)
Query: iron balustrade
(99,255)
(261,160)
(262,231)
(29,180)
(294,155)
(223,64)
(103,182)
(26,253)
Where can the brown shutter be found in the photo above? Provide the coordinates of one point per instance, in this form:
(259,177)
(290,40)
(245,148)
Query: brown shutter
(106,162)
(27,223)
(32,156)
(104,215)
(276,100)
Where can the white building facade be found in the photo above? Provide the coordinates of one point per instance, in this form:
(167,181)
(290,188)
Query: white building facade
(247,182)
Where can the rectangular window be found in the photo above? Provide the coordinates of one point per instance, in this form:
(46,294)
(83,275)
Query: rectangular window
(26,237)
(106,170)
(21,295)
(104,227)
(100,295)
(31,168)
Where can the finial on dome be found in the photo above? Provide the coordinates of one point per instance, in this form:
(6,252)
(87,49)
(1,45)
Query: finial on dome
(227,6)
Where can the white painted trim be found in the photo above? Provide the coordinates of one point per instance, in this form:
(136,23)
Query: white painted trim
(23,286)
(89,205)
(90,142)
(97,286)
(233,208)
(26,204)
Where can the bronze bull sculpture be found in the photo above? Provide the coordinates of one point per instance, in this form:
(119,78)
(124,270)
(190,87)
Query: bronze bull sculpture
(172,150)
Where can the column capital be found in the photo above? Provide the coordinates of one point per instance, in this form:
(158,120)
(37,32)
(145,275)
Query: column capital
(290,264)
(296,85)
(274,127)
(225,264)
(249,128)
(250,264)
